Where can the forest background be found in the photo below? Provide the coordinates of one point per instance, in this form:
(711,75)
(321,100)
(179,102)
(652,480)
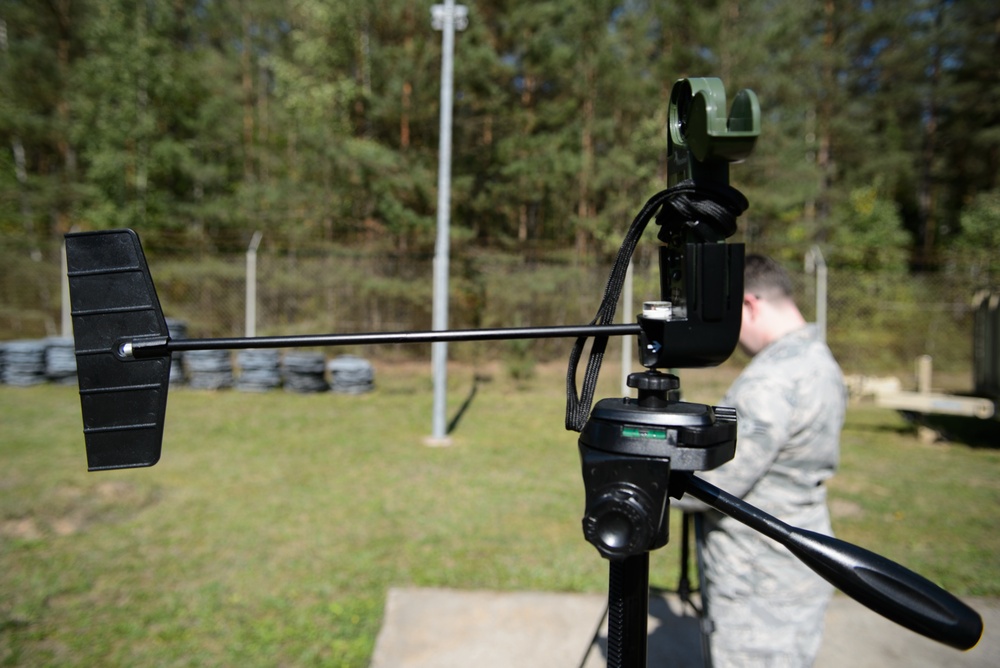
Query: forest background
(315,122)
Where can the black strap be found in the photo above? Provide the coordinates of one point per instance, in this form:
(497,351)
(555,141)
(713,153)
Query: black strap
(709,210)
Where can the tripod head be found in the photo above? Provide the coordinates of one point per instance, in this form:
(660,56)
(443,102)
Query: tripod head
(629,447)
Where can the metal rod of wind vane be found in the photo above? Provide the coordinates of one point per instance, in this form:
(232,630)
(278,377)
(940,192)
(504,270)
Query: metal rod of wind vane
(139,348)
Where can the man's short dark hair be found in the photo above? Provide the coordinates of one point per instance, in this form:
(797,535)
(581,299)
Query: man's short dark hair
(766,279)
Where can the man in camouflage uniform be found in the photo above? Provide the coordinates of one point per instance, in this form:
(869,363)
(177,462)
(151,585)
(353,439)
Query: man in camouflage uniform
(763,606)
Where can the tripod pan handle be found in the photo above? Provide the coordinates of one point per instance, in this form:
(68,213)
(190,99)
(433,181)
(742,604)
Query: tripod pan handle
(880,584)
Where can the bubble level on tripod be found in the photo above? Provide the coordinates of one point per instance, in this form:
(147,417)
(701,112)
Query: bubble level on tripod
(644,432)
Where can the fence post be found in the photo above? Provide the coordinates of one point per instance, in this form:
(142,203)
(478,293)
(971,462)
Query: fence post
(816,264)
(251,280)
(66,322)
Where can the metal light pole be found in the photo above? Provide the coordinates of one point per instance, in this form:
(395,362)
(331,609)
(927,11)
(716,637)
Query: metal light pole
(447,18)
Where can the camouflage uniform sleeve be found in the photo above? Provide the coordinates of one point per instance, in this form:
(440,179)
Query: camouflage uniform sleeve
(763,409)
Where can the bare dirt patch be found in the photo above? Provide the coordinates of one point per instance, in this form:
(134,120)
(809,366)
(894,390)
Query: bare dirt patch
(842,508)
(71,509)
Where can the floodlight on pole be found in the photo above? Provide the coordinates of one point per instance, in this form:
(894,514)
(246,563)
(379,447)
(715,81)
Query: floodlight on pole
(447,18)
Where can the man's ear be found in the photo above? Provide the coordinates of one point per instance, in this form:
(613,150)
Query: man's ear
(752,303)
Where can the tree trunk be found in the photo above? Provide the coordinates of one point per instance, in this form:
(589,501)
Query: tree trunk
(20,163)
(246,70)
(404,116)
(930,127)
(824,153)
(584,209)
(66,150)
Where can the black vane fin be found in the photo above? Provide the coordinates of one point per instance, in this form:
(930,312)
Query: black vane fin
(113,300)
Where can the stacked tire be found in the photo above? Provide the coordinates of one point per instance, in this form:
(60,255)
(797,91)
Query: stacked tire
(351,375)
(60,361)
(304,372)
(24,362)
(208,369)
(259,370)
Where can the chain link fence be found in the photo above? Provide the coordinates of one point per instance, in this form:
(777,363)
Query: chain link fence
(876,322)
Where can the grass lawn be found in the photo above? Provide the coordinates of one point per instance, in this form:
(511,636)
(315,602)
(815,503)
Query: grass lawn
(274,524)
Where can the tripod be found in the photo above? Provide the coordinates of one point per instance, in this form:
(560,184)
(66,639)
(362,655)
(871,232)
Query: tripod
(637,453)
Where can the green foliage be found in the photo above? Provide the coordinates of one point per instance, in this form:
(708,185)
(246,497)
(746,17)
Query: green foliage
(318,121)
(981,230)
(867,233)
(519,361)
(887,319)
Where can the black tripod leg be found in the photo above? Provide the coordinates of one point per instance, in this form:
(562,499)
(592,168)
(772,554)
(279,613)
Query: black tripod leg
(704,623)
(628,611)
(684,582)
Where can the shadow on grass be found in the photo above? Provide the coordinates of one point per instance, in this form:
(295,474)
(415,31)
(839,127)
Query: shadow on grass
(972,432)
(869,420)
(460,413)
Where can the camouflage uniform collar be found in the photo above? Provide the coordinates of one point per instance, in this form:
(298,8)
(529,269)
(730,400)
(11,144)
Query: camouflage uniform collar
(807,332)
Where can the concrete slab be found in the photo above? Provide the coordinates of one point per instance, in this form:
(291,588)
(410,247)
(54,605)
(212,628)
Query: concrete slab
(439,628)
(857,637)
(436,628)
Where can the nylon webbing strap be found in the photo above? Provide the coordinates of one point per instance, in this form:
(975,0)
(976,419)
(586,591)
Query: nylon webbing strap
(706,209)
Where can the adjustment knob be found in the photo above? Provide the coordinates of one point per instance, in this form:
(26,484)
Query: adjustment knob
(653,381)
(618,523)
(654,388)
